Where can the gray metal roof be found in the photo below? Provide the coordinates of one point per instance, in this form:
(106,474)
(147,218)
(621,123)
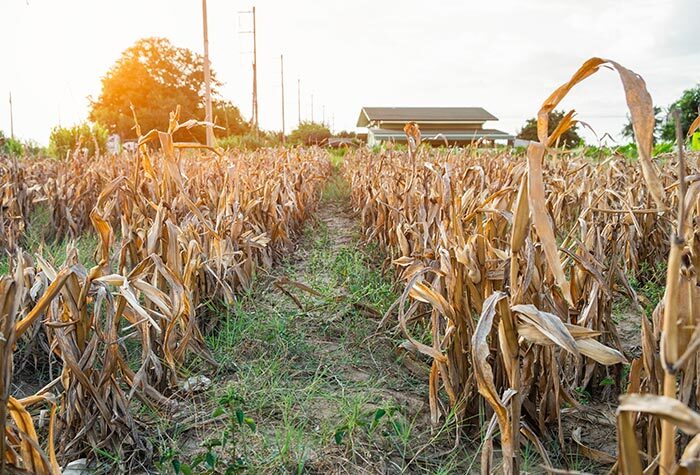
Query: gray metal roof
(461,135)
(423,114)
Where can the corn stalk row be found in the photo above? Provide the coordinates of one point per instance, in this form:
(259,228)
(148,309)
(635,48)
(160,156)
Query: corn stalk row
(518,259)
(177,228)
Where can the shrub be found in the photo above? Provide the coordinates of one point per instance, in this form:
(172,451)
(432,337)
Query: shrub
(64,140)
(629,150)
(10,146)
(32,148)
(249,141)
(309,133)
(663,147)
(569,139)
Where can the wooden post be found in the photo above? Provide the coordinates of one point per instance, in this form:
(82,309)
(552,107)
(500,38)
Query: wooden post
(207,79)
(12,120)
(255,75)
(667,455)
(282,79)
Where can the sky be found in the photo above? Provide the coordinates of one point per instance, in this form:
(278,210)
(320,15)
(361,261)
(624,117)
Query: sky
(506,56)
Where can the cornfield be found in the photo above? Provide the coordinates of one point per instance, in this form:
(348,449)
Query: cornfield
(175,228)
(519,259)
(513,260)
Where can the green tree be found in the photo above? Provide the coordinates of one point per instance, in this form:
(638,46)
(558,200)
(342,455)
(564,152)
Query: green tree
(344,134)
(33,149)
(628,131)
(689,103)
(155,77)
(250,141)
(570,138)
(228,117)
(309,133)
(64,140)
(10,146)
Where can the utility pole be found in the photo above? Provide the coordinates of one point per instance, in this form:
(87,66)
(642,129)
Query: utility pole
(312,107)
(323,114)
(254,113)
(12,121)
(207,79)
(282,79)
(299,99)
(255,75)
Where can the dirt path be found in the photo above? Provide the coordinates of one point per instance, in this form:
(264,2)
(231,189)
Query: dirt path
(303,363)
(308,384)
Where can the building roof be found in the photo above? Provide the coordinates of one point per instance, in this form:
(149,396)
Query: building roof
(423,114)
(449,135)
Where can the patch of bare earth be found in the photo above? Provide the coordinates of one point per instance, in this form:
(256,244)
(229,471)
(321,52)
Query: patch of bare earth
(593,425)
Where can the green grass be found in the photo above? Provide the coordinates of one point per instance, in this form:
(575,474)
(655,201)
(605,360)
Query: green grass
(282,357)
(338,189)
(324,389)
(337,156)
(650,282)
(38,239)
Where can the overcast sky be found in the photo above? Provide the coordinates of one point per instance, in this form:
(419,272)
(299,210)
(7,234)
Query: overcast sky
(505,56)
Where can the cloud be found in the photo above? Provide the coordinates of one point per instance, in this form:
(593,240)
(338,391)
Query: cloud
(680,35)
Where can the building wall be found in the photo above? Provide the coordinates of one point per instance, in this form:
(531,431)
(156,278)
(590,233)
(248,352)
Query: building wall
(432,127)
(371,139)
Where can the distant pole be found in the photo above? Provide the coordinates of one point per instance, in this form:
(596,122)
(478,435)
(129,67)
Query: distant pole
(12,120)
(299,99)
(312,107)
(323,114)
(282,79)
(255,75)
(207,79)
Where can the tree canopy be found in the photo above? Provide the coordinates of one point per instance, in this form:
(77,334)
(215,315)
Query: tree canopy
(155,77)
(228,117)
(64,140)
(309,133)
(570,138)
(9,146)
(689,103)
(628,131)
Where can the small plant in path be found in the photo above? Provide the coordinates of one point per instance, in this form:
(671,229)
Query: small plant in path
(226,454)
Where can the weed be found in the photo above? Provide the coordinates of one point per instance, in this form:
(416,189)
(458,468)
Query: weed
(224,454)
(650,282)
